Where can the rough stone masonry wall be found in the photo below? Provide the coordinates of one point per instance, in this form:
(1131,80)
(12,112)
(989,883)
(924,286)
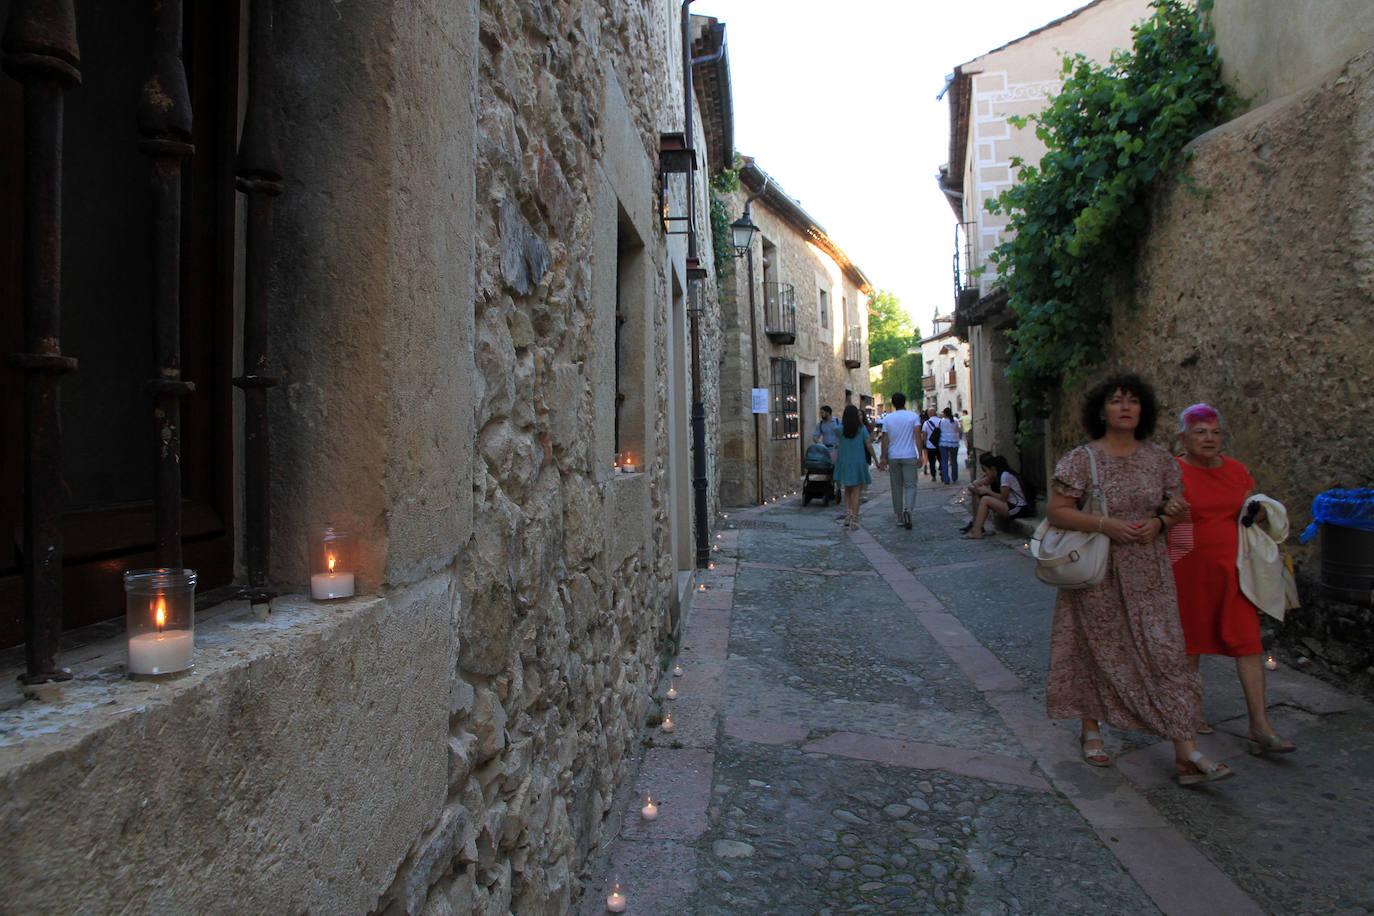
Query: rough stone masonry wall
(1255,292)
(817,350)
(439,304)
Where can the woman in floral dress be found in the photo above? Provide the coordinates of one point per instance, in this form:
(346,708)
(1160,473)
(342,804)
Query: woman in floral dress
(1117,653)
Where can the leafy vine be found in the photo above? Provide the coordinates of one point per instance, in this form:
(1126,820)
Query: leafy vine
(723,251)
(1111,133)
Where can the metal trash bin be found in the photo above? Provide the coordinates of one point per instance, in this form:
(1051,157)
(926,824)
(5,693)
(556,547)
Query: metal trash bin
(1345,519)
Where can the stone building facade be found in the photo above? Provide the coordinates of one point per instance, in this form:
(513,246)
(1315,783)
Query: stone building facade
(1016,79)
(947,381)
(476,303)
(806,342)
(1255,293)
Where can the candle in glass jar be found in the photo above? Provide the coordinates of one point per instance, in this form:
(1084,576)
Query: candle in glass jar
(163,651)
(332,583)
(668,725)
(616,902)
(677,670)
(650,810)
(1271,663)
(672,692)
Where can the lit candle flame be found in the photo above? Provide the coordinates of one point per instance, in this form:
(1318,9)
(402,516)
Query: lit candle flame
(329,561)
(160,614)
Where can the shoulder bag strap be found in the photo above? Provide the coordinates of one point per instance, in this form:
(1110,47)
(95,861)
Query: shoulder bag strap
(1099,495)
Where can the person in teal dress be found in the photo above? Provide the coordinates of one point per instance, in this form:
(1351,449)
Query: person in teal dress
(851,467)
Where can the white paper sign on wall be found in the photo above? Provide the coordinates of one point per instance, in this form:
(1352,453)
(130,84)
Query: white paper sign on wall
(760,400)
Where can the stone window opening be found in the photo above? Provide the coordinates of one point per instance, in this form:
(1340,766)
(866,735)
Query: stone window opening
(825,308)
(784,409)
(630,348)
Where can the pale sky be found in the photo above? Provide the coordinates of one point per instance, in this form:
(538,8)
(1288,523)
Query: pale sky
(837,102)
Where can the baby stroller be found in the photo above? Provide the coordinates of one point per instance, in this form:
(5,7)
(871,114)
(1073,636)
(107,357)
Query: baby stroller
(818,482)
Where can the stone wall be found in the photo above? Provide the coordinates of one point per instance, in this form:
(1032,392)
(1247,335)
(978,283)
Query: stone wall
(818,352)
(444,310)
(1255,292)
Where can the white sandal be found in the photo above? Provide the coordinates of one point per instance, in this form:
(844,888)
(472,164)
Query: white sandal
(1098,757)
(1212,772)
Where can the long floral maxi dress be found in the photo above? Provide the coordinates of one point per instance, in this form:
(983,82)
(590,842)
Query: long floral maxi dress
(1116,650)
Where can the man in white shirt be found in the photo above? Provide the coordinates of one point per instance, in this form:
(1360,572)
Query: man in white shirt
(902,457)
(929,427)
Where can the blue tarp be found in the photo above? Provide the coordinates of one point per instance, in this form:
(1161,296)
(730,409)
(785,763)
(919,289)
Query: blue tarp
(1346,508)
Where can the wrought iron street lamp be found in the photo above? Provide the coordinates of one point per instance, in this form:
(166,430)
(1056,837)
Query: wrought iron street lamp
(742,233)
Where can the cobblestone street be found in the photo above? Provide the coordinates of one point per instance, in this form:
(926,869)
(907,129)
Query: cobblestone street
(860,729)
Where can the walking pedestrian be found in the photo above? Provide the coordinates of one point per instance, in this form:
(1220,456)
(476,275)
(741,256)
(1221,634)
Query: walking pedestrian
(999,492)
(1117,652)
(851,469)
(966,423)
(1218,619)
(827,433)
(930,438)
(950,433)
(902,459)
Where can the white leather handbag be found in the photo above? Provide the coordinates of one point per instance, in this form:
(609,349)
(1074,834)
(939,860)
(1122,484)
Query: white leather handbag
(1073,559)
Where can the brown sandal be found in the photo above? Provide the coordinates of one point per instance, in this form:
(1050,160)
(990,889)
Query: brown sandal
(1270,744)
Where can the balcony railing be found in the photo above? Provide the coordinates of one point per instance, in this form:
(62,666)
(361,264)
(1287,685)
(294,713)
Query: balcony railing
(966,290)
(854,348)
(780,312)
(928,382)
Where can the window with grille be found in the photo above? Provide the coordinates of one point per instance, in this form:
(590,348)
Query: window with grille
(784,414)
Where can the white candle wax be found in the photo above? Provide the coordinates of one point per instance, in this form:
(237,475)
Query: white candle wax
(616,903)
(672,692)
(628,469)
(649,811)
(324,586)
(667,725)
(160,653)
(677,671)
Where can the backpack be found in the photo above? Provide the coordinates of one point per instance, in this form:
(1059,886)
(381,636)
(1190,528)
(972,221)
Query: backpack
(934,436)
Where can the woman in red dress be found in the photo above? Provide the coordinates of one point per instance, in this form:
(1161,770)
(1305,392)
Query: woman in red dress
(1217,617)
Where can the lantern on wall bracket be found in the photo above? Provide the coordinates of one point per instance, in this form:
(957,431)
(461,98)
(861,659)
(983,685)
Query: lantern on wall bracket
(676,160)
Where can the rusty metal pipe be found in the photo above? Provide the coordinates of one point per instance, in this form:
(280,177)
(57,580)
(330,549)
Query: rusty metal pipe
(164,123)
(40,51)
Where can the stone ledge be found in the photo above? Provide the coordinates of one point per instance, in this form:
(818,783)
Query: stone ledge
(306,738)
(228,636)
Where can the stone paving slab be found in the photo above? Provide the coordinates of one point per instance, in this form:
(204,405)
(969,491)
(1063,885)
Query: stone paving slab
(843,655)
(679,781)
(802,833)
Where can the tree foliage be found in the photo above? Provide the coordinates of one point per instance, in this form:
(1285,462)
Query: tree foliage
(1111,133)
(890,331)
(902,374)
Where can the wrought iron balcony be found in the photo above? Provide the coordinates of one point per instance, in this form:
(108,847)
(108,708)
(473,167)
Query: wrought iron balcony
(780,312)
(854,348)
(966,291)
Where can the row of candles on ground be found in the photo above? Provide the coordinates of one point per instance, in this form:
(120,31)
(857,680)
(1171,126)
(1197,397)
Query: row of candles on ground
(616,901)
(160,604)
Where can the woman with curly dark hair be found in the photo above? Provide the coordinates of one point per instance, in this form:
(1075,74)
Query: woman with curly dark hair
(1117,653)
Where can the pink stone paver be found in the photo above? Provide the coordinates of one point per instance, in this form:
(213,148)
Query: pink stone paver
(915,755)
(680,782)
(1177,876)
(761,732)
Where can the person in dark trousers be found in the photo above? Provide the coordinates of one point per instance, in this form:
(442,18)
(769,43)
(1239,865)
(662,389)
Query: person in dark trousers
(930,434)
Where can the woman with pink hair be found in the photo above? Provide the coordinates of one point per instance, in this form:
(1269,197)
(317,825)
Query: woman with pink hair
(1217,617)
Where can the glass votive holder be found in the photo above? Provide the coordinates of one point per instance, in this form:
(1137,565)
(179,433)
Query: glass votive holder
(333,559)
(159,619)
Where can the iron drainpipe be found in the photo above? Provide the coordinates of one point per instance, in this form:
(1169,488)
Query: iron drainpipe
(40,51)
(259,178)
(699,502)
(754,350)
